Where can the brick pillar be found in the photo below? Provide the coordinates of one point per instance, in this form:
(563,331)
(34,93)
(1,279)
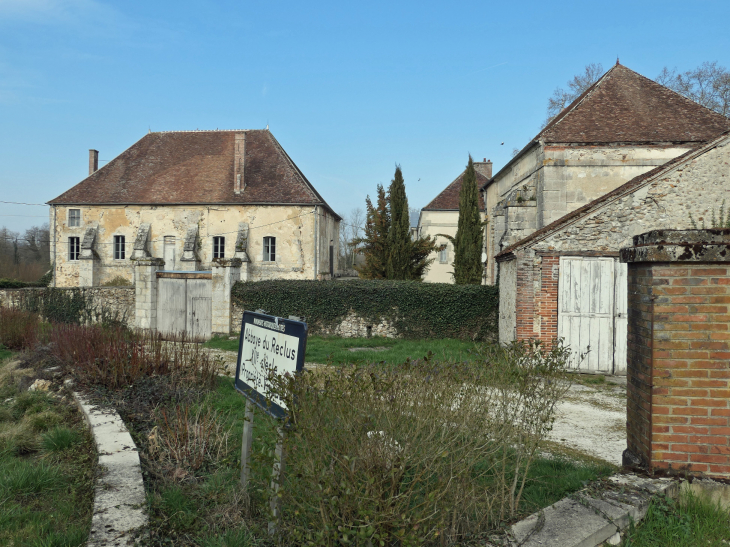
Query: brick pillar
(145,289)
(547,299)
(226,271)
(678,409)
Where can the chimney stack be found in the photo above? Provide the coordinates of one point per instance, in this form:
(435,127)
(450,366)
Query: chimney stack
(484,167)
(93,161)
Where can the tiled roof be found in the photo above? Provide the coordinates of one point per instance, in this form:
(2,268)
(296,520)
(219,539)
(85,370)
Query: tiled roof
(622,190)
(196,167)
(448,200)
(624,106)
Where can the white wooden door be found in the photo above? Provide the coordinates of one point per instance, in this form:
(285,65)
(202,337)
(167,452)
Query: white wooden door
(171,305)
(199,308)
(586,311)
(620,319)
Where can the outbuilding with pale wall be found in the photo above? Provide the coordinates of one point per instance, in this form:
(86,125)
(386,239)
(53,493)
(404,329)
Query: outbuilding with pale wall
(565,279)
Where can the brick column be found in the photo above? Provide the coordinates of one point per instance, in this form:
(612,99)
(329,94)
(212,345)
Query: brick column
(678,408)
(145,289)
(226,271)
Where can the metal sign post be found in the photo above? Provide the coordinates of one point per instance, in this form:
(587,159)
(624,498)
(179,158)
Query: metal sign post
(268,345)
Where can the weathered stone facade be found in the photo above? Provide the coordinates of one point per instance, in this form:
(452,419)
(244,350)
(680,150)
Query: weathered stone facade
(678,407)
(303,237)
(115,303)
(695,184)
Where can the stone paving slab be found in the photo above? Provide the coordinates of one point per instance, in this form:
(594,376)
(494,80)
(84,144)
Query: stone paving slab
(119,497)
(588,519)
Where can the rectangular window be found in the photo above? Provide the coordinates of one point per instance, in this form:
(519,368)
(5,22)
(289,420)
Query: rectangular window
(119,248)
(443,255)
(73,248)
(269,249)
(74,217)
(219,247)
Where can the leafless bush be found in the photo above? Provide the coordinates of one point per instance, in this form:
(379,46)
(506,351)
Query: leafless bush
(426,453)
(18,329)
(186,439)
(115,357)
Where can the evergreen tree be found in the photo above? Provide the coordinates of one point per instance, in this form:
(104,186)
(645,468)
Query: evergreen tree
(381,262)
(399,237)
(469,238)
(375,241)
(469,235)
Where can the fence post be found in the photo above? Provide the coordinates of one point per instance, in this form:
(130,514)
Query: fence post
(276,479)
(246,445)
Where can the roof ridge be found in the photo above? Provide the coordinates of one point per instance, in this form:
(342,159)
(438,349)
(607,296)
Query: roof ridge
(206,131)
(577,102)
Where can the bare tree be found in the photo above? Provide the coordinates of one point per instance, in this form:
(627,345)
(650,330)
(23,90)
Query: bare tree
(708,85)
(352,228)
(580,82)
(24,257)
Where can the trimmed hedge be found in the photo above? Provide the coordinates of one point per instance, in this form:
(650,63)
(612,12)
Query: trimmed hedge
(15,284)
(417,310)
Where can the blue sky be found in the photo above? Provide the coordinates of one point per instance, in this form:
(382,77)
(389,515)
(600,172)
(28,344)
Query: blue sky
(349,89)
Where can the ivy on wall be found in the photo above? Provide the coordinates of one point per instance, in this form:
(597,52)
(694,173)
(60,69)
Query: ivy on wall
(67,305)
(15,284)
(417,310)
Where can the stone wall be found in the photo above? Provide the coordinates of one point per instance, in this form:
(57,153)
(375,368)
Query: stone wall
(117,303)
(351,326)
(679,351)
(549,181)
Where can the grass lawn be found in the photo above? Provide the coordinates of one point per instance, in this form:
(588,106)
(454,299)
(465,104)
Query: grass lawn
(393,351)
(47,463)
(688,523)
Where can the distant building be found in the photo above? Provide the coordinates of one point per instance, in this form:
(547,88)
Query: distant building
(441,216)
(192,198)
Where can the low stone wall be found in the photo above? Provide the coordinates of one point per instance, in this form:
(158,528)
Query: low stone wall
(102,303)
(352,326)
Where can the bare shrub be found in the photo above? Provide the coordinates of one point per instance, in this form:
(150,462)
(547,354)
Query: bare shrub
(18,329)
(188,439)
(115,357)
(425,453)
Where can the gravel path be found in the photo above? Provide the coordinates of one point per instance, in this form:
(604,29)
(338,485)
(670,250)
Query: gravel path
(592,420)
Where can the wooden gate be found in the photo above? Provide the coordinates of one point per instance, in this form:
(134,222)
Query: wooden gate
(592,312)
(184,303)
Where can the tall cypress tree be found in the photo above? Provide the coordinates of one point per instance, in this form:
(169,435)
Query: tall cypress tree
(375,241)
(469,237)
(399,237)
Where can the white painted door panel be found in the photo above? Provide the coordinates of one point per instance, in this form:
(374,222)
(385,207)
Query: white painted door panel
(586,310)
(171,306)
(621,319)
(200,307)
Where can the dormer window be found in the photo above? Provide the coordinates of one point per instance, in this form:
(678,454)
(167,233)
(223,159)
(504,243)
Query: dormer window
(74,217)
